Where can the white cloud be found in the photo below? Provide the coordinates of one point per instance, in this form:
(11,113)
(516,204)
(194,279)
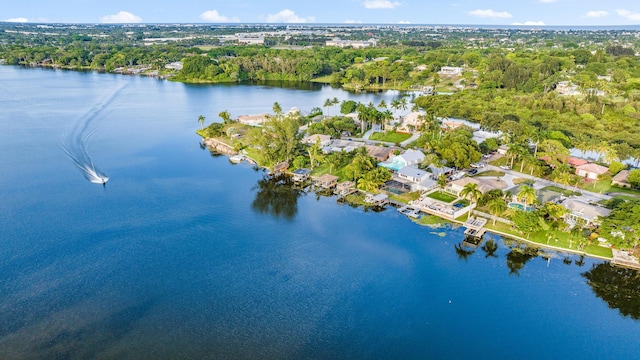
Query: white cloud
(349,21)
(123,17)
(629,14)
(214,16)
(530,23)
(380,4)
(547,1)
(404,22)
(17,20)
(488,13)
(596,13)
(288,16)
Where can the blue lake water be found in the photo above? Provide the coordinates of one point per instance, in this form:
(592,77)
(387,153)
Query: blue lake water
(183,255)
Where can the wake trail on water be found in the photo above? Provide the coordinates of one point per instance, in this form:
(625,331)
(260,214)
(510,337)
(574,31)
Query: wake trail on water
(76,138)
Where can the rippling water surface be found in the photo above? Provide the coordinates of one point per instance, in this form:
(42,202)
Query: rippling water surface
(183,255)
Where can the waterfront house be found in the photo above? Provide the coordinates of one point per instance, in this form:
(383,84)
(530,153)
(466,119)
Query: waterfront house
(484,184)
(300,175)
(280,167)
(582,210)
(408,123)
(575,162)
(408,158)
(326,181)
(377,200)
(253,120)
(451,71)
(621,179)
(591,171)
(413,174)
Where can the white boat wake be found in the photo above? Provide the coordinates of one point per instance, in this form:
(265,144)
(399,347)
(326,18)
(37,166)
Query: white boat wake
(75,139)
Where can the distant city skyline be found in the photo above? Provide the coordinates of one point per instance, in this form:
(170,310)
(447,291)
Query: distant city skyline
(458,12)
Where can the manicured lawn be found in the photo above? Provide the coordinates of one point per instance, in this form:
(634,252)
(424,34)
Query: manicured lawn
(490,173)
(562,191)
(440,196)
(604,186)
(599,250)
(324,169)
(519,181)
(405,198)
(392,137)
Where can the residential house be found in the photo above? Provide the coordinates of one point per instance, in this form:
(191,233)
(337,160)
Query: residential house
(502,149)
(378,200)
(417,179)
(484,184)
(575,162)
(582,210)
(253,120)
(451,71)
(380,153)
(411,157)
(300,175)
(567,88)
(325,140)
(621,179)
(326,181)
(339,145)
(355,44)
(591,171)
(437,171)
(409,122)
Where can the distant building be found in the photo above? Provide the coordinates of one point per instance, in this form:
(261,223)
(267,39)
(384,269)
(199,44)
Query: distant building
(567,88)
(451,71)
(253,120)
(354,44)
(325,140)
(176,65)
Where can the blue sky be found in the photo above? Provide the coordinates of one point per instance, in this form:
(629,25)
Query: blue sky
(490,12)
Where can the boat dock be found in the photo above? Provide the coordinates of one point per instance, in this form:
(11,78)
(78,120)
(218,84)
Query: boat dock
(475,227)
(410,211)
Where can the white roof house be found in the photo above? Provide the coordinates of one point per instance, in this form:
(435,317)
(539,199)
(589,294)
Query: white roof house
(589,213)
(410,157)
(413,174)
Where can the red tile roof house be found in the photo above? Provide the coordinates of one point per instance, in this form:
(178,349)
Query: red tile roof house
(591,171)
(575,162)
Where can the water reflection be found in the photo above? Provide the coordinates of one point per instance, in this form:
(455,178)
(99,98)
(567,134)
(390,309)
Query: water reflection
(518,257)
(490,247)
(277,196)
(619,287)
(463,251)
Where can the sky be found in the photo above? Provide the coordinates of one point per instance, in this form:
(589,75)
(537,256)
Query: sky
(467,12)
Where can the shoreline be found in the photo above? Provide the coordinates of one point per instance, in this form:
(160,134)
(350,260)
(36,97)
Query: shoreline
(610,260)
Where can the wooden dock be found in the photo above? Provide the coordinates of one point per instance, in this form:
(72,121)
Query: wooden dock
(475,228)
(410,211)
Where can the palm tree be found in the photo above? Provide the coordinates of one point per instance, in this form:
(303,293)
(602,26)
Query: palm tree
(367,185)
(527,194)
(327,104)
(472,193)
(496,208)
(395,105)
(403,104)
(332,159)
(382,104)
(277,109)
(201,121)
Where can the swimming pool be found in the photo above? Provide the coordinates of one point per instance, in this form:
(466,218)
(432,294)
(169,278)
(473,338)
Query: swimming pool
(520,207)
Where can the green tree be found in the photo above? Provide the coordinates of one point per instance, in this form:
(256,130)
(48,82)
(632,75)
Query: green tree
(201,121)
(225,116)
(471,192)
(527,194)
(496,208)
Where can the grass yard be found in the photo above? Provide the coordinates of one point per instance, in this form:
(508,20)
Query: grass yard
(490,173)
(604,186)
(519,181)
(565,192)
(407,197)
(322,79)
(441,196)
(392,137)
